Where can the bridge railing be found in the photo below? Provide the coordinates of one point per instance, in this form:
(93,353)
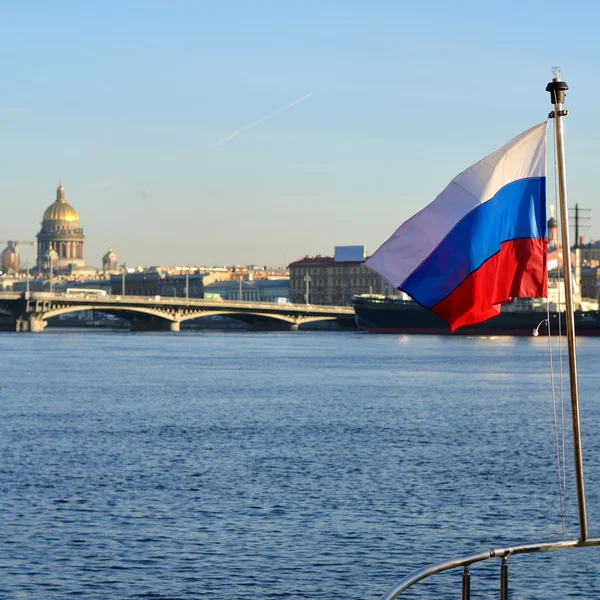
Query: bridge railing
(178,300)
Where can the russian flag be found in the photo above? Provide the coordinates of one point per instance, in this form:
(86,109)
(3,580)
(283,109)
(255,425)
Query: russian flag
(481,242)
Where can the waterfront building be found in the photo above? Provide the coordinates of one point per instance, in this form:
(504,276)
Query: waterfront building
(252,290)
(556,274)
(174,285)
(257,272)
(158,282)
(37,284)
(60,240)
(247,273)
(590,282)
(590,253)
(7,282)
(335,279)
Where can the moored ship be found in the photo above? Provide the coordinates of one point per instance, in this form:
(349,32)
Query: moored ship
(388,314)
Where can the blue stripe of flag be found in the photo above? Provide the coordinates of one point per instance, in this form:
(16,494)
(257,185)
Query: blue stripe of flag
(517,211)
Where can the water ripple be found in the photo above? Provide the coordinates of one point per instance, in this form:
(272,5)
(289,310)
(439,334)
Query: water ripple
(282,465)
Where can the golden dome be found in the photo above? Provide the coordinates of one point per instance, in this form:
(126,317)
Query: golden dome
(60,210)
(9,258)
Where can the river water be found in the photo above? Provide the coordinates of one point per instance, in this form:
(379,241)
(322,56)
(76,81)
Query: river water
(284,465)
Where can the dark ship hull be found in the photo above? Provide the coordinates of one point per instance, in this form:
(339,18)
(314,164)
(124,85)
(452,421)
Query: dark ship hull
(391,315)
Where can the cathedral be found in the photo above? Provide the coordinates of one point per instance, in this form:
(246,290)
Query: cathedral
(59,246)
(110,262)
(60,240)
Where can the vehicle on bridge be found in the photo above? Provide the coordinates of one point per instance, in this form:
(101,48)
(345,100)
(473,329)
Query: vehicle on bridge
(85,292)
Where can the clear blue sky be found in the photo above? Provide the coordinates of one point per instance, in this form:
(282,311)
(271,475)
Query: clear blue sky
(127,101)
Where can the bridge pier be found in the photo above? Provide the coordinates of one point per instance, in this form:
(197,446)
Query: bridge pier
(294,326)
(155,325)
(35,324)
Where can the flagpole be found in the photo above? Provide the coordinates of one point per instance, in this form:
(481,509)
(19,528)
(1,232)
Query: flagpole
(557,89)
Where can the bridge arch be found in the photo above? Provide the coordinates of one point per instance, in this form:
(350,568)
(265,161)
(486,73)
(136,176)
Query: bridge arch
(292,320)
(63,310)
(180,315)
(233,314)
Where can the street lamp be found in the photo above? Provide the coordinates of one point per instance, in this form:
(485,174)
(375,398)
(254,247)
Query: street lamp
(27,283)
(241,286)
(123,279)
(51,285)
(187,285)
(307,280)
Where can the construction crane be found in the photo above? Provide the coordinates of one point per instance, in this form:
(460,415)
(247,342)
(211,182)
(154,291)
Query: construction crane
(14,244)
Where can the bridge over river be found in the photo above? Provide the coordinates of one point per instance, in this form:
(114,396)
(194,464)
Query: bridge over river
(30,311)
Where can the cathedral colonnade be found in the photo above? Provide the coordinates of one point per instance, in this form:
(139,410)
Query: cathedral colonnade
(63,249)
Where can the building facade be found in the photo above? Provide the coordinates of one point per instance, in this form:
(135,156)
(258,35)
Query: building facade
(590,282)
(590,254)
(333,280)
(60,240)
(253,290)
(157,283)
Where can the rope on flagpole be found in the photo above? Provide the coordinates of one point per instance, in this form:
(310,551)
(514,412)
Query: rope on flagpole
(560,456)
(561,495)
(559,443)
(559,286)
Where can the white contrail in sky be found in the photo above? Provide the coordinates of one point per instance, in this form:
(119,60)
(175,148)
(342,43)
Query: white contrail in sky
(237,132)
(104,184)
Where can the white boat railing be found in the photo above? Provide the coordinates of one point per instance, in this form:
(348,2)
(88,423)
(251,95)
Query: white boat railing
(467,561)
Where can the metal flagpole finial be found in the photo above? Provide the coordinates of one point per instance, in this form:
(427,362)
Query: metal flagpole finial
(557,87)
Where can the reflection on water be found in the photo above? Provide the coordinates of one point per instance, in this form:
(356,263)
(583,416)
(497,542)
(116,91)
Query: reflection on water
(294,465)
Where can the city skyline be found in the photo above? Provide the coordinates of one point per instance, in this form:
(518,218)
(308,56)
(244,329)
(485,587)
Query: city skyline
(202,134)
